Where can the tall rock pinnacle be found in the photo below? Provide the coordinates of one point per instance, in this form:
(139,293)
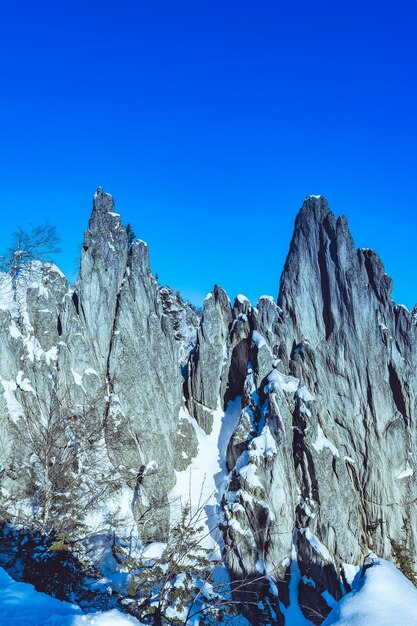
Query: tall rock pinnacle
(325,281)
(103,264)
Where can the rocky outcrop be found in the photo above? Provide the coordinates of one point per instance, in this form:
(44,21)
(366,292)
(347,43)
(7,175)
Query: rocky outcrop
(326,442)
(206,382)
(356,351)
(143,427)
(102,270)
(105,359)
(342,360)
(185,321)
(319,467)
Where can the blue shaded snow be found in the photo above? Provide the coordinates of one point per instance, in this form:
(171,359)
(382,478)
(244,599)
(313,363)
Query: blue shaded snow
(22,605)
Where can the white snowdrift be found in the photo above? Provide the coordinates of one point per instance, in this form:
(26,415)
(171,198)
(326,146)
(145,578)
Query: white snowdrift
(383,597)
(22,605)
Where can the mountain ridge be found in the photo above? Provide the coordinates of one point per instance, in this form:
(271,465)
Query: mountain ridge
(319,466)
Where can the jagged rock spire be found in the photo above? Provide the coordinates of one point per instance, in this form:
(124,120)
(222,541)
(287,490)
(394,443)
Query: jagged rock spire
(325,281)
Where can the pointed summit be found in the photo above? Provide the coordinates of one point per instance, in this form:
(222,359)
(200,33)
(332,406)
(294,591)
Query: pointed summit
(314,211)
(103,264)
(326,283)
(103,201)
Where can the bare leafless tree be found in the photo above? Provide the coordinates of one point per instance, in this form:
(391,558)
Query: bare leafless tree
(182,585)
(38,243)
(63,456)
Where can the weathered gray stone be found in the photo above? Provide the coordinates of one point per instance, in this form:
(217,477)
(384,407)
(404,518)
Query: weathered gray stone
(321,464)
(207,376)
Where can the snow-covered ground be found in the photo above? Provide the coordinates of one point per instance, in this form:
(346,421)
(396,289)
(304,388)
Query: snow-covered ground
(202,484)
(382,597)
(22,605)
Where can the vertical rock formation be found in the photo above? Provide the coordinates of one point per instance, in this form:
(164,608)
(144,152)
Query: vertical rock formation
(319,466)
(350,356)
(208,363)
(102,269)
(356,351)
(110,356)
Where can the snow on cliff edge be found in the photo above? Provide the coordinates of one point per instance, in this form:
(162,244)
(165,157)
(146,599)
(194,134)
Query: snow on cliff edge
(383,597)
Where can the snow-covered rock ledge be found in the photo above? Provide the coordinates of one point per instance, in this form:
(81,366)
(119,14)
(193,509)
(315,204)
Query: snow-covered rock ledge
(382,597)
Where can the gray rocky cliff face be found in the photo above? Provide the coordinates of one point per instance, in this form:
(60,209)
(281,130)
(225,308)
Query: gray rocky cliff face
(206,377)
(356,351)
(330,383)
(143,422)
(109,356)
(102,269)
(184,320)
(312,400)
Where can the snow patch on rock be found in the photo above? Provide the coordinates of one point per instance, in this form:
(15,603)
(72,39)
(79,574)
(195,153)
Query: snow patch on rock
(322,442)
(381,596)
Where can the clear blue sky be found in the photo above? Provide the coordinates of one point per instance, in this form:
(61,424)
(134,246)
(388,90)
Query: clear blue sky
(210,122)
